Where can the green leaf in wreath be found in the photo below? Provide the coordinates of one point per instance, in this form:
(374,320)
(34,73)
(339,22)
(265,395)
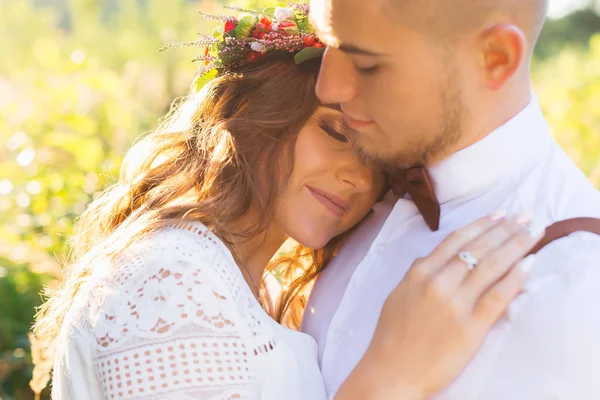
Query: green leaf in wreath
(244,26)
(304,25)
(200,81)
(218,32)
(269,11)
(308,54)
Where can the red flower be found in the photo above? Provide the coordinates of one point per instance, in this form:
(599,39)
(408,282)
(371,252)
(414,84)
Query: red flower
(230,26)
(258,34)
(318,44)
(260,31)
(288,27)
(308,41)
(263,27)
(206,62)
(252,56)
(266,21)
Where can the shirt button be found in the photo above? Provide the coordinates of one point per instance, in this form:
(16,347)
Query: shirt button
(379,248)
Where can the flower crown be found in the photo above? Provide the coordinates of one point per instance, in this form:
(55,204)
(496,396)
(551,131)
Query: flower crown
(245,40)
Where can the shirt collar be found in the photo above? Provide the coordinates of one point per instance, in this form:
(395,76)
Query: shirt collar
(509,148)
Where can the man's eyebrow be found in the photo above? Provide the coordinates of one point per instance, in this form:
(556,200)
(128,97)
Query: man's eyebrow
(351,49)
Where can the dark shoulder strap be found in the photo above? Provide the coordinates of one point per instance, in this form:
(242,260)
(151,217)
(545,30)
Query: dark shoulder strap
(565,228)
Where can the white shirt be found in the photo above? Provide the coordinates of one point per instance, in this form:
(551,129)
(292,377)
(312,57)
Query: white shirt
(173,318)
(549,346)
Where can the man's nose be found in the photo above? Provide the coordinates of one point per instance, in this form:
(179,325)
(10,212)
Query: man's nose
(337,83)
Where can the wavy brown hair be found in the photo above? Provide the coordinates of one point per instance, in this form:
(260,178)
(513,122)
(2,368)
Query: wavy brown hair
(211,160)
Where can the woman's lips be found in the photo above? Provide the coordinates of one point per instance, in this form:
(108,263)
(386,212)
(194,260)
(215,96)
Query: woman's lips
(330,201)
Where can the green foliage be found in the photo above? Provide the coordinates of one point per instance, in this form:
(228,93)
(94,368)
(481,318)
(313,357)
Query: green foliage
(18,286)
(568,86)
(574,30)
(78,85)
(71,103)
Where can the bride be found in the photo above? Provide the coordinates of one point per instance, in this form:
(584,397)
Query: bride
(165,296)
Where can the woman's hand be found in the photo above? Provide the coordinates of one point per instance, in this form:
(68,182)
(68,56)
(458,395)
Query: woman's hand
(438,316)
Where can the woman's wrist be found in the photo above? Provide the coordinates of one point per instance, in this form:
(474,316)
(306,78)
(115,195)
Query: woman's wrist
(371,380)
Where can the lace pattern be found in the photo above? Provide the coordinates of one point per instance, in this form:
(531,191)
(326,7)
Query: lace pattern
(171,316)
(176,295)
(179,364)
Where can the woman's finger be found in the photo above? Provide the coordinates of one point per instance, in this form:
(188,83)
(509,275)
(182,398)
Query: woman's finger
(451,246)
(494,302)
(481,248)
(496,265)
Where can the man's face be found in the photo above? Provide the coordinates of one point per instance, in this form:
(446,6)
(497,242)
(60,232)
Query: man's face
(397,89)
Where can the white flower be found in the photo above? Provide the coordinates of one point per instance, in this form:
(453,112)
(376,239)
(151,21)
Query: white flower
(275,27)
(283,14)
(258,47)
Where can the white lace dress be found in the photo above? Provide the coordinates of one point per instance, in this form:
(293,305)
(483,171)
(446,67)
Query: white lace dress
(173,318)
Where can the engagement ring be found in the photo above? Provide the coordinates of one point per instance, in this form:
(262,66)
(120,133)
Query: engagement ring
(468,259)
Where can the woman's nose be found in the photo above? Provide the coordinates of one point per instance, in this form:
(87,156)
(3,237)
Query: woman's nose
(354,173)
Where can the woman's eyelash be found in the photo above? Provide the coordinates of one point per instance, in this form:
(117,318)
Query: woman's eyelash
(368,71)
(333,129)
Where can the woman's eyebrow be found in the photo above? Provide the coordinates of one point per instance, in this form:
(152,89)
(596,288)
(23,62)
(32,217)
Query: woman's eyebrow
(351,49)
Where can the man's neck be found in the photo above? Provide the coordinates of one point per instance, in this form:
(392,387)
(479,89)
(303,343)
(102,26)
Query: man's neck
(489,117)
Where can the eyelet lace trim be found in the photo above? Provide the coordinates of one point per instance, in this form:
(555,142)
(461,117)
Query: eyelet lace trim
(170,316)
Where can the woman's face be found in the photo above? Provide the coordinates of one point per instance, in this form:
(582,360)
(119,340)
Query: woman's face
(330,189)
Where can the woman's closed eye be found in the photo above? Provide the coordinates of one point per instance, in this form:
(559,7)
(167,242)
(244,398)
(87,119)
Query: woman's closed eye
(367,70)
(365,65)
(334,129)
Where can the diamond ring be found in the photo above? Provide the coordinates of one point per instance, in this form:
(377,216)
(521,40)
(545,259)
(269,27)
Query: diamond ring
(468,259)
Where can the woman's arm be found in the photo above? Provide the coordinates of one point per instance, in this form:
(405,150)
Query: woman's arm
(438,316)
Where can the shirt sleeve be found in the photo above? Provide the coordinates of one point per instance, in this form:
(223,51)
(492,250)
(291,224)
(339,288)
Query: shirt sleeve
(176,332)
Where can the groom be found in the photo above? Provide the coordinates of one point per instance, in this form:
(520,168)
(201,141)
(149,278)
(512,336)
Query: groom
(445,84)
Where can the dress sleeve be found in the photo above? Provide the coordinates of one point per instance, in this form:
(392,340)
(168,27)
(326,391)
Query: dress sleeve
(73,378)
(176,332)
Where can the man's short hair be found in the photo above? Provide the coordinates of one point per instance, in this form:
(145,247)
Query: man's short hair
(448,19)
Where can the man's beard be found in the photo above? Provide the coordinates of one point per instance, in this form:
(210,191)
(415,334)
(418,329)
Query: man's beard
(422,154)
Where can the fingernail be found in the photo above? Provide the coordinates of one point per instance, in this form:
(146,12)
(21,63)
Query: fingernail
(526,264)
(524,218)
(498,215)
(536,232)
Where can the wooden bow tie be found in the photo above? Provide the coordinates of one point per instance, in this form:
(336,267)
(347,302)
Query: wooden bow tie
(418,184)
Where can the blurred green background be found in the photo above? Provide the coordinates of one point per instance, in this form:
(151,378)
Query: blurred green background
(80,79)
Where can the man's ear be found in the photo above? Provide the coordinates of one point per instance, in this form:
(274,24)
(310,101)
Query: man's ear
(503,50)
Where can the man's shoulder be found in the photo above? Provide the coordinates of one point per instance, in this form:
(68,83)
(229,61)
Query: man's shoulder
(578,249)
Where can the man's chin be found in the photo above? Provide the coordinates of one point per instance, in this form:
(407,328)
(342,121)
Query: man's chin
(374,158)
(385,160)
